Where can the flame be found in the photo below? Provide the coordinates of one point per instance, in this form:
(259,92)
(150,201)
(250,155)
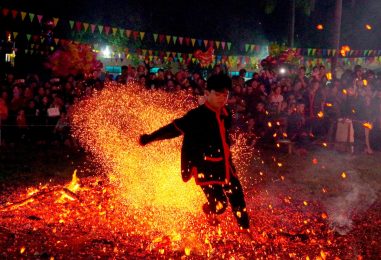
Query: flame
(345,91)
(368,27)
(343,175)
(329,75)
(314,161)
(328,105)
(320,114)
(74,184)
(319,27)
(368,125)
(365,82)
(22,250)
(270,124)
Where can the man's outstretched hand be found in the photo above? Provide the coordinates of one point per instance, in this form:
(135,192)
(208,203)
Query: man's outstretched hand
(144,139)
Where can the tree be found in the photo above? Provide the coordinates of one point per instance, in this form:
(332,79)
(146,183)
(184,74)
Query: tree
(307,6)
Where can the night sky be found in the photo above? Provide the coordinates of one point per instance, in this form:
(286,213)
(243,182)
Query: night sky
(237,21)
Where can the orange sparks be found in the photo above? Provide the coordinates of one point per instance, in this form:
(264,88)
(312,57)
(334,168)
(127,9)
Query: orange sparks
(305,203)
(279,164)
(22,250)
(325,145)
(320,27)
(345,91)
(109,124)
(367,125)
(320,114)
(328,105)
(368,27)
(343,175)
(270,124)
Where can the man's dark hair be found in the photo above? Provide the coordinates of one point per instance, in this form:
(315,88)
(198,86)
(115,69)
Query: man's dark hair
(219,83)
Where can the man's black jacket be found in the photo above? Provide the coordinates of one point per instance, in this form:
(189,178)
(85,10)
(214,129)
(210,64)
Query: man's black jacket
(205,152)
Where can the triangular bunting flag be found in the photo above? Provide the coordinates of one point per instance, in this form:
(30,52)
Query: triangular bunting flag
(5,11)
(39,17)
(193,40)
(121,30)
(78,26)
(23,14)
(155,37)
(199,42)
(168,38)
(223,45)
(15,35)
(229,45)
(181,40)
(100,28)
(14,14)
(206,43)
(26,51)
(247,47)
(128,33)
(218,44)
(107,29)
(114,31)
(28,37)
(85,26)
(142,35)
(71,23)
(211,43)
(56,40)
(161,38)
(31,17)
(135,34)
(187,41)
(55,21)
(92,26)
(174,38)
(252,47)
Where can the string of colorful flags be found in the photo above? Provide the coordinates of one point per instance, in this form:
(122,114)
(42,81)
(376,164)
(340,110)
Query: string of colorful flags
(79,26)
(161,57)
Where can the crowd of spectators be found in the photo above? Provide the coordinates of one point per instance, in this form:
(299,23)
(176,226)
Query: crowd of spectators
(291,106)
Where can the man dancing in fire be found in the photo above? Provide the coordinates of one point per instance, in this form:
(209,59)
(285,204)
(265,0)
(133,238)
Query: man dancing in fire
(205,153)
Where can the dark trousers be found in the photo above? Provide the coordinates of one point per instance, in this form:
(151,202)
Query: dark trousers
(218,196)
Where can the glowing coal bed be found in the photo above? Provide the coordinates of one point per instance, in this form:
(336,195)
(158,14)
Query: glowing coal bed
(136,205)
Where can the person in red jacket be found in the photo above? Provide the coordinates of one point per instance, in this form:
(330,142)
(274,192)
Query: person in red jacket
(205,152)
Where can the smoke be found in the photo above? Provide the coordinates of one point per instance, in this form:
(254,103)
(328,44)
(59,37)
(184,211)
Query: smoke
(356,197)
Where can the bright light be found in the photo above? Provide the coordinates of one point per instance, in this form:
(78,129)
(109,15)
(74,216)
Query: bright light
(106,52)
(368,27)
(282,71)
(319,27)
